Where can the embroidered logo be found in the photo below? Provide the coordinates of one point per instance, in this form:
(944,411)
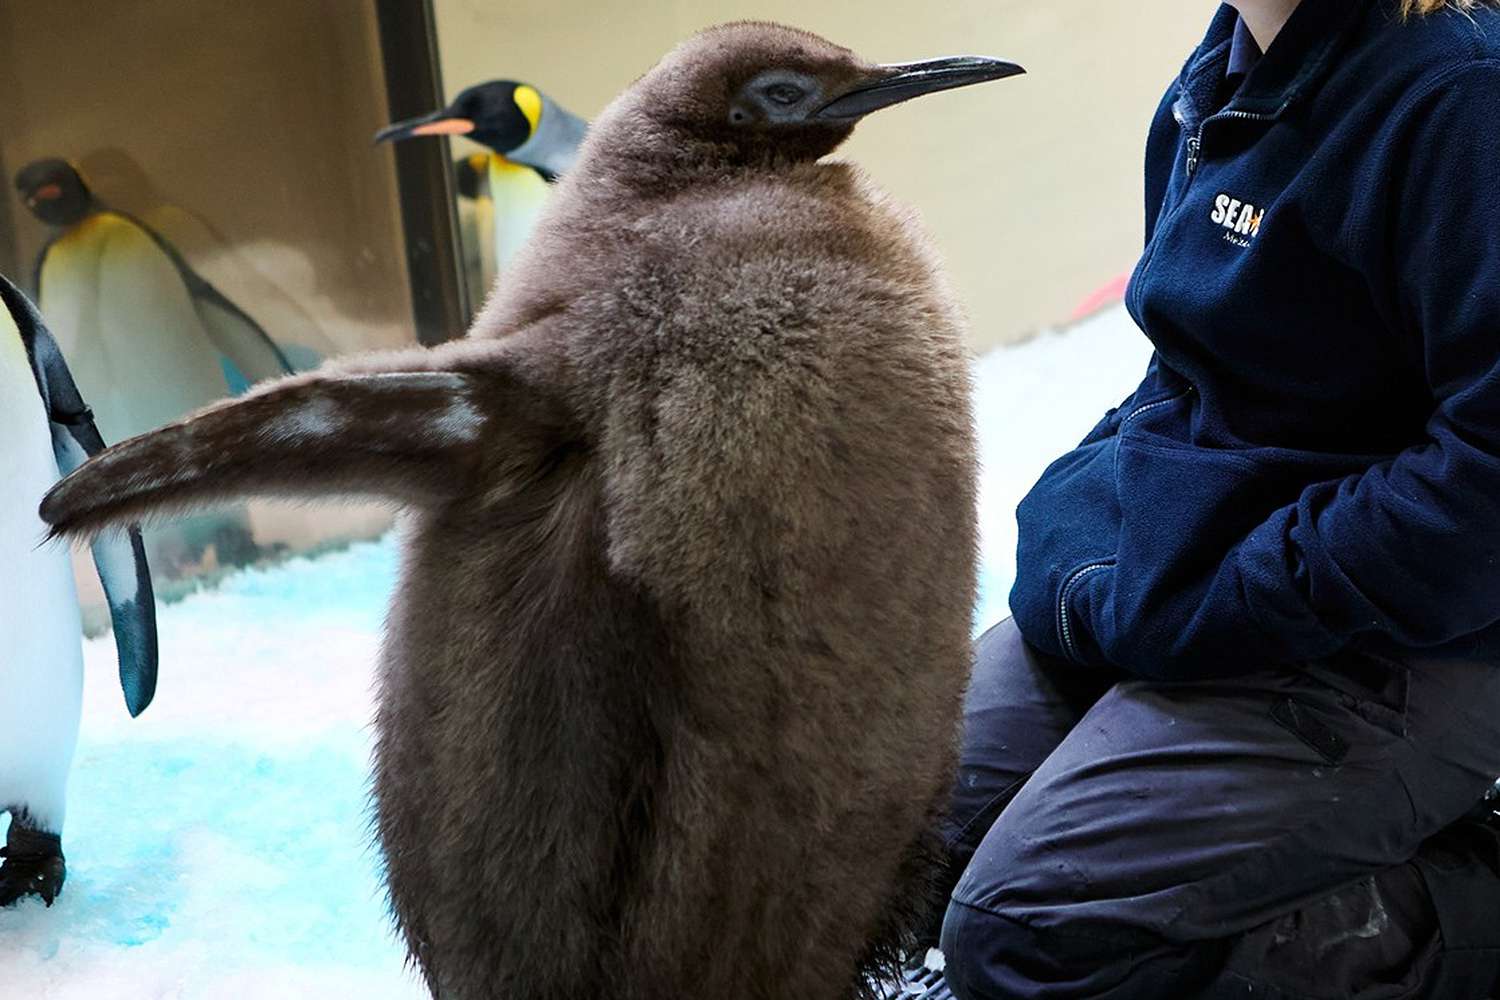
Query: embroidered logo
(1240,219)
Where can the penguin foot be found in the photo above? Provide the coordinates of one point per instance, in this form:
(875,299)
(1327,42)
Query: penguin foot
(33,866)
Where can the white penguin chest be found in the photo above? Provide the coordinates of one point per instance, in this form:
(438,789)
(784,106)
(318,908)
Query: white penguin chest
(126,323)
(38,603)
(518,195)
(41,655)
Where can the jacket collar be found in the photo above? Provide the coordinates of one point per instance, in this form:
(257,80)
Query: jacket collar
(1302,56)
(1244,52)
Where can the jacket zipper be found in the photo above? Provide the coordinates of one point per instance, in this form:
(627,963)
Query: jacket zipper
(1195,142)
(1064,623)
(1194,160)
(1147,407)
(1064,627)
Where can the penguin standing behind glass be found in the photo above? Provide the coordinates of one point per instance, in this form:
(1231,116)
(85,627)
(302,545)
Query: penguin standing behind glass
(45,428)
(671,684)
(534,141)
(476,220)
(147,338)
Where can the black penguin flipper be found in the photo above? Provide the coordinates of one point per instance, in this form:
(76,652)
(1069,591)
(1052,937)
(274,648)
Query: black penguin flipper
(238,338)
(121,562)
(36,268)
(120,559)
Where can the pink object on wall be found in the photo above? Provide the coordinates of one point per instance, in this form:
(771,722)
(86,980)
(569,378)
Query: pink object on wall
(1107,295)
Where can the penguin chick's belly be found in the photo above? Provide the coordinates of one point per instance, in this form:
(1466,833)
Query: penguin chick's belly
(561,793)
(41,658)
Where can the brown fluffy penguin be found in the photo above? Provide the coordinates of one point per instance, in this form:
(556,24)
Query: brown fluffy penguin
(673,674)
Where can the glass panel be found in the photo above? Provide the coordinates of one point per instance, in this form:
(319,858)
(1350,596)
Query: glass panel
(197,197)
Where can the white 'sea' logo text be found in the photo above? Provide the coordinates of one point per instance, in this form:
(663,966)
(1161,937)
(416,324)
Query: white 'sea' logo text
(1240,219)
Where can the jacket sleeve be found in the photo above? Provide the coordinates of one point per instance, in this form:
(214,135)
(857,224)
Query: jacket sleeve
(1409,549)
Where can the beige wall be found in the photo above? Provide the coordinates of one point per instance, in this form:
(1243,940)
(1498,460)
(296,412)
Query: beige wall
(1031,186)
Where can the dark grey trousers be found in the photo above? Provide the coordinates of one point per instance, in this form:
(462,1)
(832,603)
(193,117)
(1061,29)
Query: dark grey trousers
(1273,836)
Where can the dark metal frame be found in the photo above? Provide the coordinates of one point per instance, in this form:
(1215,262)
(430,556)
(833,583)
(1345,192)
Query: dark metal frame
(424,172)
(9,265)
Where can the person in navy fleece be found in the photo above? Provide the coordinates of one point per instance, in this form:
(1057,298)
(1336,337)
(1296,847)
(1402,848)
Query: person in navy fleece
(1236,739)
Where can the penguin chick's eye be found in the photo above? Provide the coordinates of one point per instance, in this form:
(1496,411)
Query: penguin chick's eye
(784,94)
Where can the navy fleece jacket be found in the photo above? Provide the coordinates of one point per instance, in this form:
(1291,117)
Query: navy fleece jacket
(1313,458)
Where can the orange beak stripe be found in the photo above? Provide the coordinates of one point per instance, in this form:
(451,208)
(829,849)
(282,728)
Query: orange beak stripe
(445,126)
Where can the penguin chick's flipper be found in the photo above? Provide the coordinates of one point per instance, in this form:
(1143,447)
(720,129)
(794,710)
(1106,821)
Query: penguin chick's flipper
(414,437)
(120,559)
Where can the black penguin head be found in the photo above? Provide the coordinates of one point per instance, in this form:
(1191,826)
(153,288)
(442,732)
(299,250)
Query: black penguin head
(761,90)
(514,119)
(500,114)
(54,191)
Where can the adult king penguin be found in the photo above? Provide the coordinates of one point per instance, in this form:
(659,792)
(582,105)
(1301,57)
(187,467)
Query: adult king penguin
(46,428)
(476,220)
(671,686)
(147,337)
(534,140)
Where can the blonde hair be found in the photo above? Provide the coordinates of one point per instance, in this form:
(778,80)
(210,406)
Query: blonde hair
(1424,7)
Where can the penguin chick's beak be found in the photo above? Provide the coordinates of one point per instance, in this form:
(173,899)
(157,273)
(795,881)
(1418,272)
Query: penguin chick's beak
(899,82)
(47,192)
(436,123)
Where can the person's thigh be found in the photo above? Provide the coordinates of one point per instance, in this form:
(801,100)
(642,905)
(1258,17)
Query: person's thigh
(1175,816)
(1019,707)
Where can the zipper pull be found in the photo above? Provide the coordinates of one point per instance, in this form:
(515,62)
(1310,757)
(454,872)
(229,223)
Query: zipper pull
(1194,144)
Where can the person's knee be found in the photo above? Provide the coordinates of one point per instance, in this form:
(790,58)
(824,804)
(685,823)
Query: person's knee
(995,953)
(991,954)
(995,947)
(973,955)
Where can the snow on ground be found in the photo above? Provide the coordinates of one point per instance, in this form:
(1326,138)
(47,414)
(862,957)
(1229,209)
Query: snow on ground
(218,846)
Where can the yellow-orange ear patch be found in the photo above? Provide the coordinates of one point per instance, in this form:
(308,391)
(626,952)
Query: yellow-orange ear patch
(530,103)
